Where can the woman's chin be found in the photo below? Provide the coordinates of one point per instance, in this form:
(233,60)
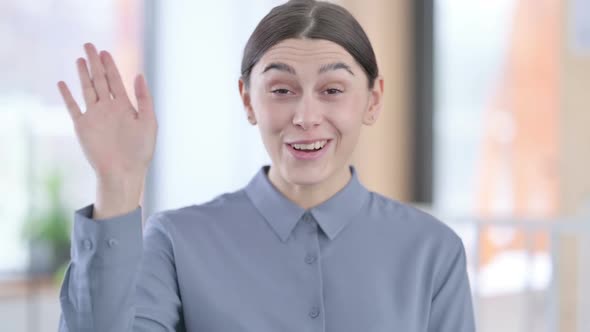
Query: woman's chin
(305,175)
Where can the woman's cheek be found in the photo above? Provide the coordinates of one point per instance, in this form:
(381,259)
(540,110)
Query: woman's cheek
(279,116)
(272,125)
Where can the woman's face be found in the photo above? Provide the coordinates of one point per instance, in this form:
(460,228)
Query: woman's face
(310,99)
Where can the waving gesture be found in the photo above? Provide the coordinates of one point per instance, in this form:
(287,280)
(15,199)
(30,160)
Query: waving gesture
(117,139)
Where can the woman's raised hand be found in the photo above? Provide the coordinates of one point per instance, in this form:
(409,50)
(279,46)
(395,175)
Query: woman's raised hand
(117,139)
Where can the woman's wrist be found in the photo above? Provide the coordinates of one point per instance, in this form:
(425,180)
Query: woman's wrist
(117,196)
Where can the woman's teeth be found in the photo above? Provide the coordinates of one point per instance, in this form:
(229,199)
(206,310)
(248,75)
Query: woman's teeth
(310,147)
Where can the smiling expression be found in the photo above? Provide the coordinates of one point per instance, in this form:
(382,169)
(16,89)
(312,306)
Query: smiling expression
(310,98)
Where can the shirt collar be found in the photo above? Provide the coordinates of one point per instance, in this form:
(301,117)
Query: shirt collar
(282,214)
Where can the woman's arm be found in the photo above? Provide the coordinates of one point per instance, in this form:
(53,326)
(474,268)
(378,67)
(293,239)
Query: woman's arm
(117,280)
(452,308)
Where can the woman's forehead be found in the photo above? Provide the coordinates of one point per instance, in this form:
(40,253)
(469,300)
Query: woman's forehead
(306,52)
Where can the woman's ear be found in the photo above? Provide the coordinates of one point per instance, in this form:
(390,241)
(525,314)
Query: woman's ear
(375,102)
(246,101)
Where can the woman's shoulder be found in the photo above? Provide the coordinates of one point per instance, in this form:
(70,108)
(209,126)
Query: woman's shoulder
(414,221)
(215,209)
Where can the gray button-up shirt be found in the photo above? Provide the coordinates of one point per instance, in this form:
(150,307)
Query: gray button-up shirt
(253,261)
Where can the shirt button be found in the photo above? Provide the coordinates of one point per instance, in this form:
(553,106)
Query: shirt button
(112,242)
(310,258)
(315,311)
(87,244)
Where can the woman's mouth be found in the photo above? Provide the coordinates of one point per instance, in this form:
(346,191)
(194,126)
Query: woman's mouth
(309,150)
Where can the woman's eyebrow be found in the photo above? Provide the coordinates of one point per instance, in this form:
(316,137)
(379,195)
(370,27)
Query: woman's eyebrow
(279,66)
(335,66)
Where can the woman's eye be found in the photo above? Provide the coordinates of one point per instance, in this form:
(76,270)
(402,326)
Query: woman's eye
(280,91)
(333,91)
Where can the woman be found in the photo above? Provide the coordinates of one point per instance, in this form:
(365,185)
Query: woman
(304,246)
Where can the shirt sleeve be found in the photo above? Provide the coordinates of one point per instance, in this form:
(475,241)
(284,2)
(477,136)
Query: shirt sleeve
(452,308)
(117,279)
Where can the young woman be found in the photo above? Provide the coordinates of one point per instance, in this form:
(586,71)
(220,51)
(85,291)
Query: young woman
(303,247)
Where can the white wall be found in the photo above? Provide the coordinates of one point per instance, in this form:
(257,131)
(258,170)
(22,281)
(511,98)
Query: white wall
(205,145)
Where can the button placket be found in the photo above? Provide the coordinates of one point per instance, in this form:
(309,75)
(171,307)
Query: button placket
(312,260)
(310,257)
(309,223)
(312,229)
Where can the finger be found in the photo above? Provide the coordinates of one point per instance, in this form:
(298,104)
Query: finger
(98,74)
(88,91)
(114,80)
(71,104)
(144,98)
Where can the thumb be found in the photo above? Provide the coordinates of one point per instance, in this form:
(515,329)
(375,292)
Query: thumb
(144,98)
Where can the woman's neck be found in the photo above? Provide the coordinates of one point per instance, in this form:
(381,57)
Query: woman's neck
(308,196)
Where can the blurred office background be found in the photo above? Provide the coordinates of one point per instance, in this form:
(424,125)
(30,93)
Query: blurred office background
(486,125)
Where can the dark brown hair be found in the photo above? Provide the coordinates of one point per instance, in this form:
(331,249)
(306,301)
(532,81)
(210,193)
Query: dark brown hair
(314,20)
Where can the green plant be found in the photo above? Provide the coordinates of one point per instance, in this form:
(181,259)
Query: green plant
(48,222)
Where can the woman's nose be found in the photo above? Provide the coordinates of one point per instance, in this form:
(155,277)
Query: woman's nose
(308,113)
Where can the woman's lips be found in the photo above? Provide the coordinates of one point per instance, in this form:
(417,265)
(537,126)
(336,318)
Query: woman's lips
(311,155)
